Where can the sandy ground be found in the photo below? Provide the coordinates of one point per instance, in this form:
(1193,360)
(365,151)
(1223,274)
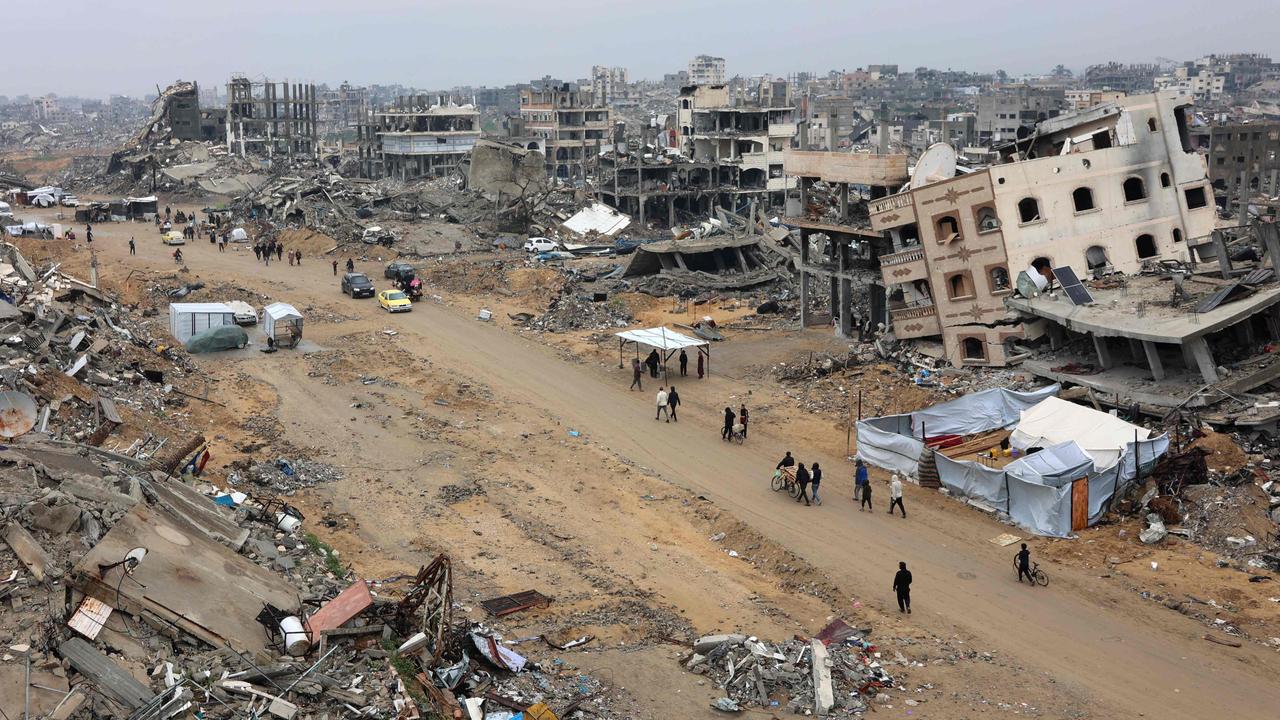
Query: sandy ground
(461,441)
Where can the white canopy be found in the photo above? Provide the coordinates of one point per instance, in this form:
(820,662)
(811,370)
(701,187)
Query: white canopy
(239,235)
(660,338)
(1054,421)
(282,323)
(187,319)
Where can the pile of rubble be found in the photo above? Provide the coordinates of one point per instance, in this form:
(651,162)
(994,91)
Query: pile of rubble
(835,673)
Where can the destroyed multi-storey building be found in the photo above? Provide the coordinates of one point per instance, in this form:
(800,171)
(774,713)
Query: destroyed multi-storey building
(1243,157)
(743,140)
(269,119)
(420,136)
(1105,190)
(1002,114)
(572,126)
(343,109)
(835,244)
(1133,78)
(609,85)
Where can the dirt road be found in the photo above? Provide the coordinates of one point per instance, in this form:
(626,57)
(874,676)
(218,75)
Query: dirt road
(1133,658)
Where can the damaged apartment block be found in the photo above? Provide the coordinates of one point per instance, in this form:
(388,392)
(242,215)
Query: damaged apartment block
(271,119)
(1111,189)
(572,127)
(420,137)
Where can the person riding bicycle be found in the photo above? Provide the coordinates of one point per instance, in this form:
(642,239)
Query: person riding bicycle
(786,461)
(1024,564)
(177,256)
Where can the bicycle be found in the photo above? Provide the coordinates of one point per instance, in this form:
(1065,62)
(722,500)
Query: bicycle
(738,433)
(1038,576)
(785,479)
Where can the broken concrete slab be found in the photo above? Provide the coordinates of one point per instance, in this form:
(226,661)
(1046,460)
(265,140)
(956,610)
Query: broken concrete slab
(823,691)
(59,519)
(97,493)
(186,582)
(198,511)
(42,700)
(36,560)
(707,643)
(106,676)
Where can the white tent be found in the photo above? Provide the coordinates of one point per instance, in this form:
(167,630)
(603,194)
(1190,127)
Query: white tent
(239,235)
(282,323)
(187,319)
(1054,421)
(666,342)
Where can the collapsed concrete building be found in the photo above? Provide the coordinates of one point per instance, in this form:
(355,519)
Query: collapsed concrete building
(1107,190)
(420,136)
(270,119)
(745,142)
(1244,160)
(572,127)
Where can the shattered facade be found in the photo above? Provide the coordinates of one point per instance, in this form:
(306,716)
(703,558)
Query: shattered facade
(573,127)
(746,140)
(420,137)
(270,119)
(1104,190)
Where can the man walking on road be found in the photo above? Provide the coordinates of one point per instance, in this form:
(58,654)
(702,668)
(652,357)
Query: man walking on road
(335,268)
(895,495)
(351,265)
(133,249)
(815,477)
(684,363)
(1024,565)
(902,586)
(662,405)
(726,432)
(673,401)
(859,479)
(802,480)
(636,372)
(866,498)
(742,420)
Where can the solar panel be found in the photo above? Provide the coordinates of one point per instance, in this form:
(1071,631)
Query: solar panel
(1071,285)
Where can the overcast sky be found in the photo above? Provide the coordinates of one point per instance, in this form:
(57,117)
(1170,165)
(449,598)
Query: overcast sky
(97,47)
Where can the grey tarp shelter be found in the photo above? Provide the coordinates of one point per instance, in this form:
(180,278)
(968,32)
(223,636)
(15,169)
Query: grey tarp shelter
(283,324)
(187,319)
(667,342)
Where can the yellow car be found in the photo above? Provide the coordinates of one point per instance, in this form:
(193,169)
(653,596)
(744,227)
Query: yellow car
(173,237)
(394,301)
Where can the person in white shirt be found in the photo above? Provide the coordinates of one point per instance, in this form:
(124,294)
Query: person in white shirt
(662,405)
(895,495)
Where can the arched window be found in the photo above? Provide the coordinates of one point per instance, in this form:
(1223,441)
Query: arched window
(1151,124)
(973,348)
(1146,245)
(1083,199)
(960,286)
(1028,210)
(1164,180)
(1096,257)
(948,229)
(987,219)
(999,277)
(1177,235)
(1134,189)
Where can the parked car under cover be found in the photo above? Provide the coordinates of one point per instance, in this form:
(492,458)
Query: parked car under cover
(223,337)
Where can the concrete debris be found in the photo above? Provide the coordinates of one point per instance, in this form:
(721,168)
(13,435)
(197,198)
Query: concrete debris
(809,676)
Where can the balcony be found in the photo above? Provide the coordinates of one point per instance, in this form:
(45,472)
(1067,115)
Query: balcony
(904,266)
(915,322)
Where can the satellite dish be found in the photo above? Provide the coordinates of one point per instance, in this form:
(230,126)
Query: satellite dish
(133,558)
(17,413)
(936,164)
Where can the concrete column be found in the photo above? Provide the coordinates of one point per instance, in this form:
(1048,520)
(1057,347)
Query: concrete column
(1204,359)
(804,194)
(835,296)
(846,289)
(679,257)
(1135,350)
(742,259)
(1269,235)
(1153,359)
(1057,337)
(804,281)
(1220,251)
(1105,358)
(641,210)
(844,202)
(671,211)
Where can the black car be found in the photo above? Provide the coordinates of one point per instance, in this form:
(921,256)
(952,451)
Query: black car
(357,285)
(398,271)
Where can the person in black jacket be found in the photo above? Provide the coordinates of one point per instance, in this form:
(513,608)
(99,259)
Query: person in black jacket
(815,477)
(902,586)
(673,400)
(1024,565)
(652,361)
(802,479)
(684,363)
(726,433)
(786,461)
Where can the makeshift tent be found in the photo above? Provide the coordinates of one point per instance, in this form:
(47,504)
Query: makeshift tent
(1055,421)
(667,342)
(1053,491)
(283,324)
(187,319)
(239,235)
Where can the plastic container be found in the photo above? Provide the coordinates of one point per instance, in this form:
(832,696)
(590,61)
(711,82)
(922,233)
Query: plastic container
(296,642)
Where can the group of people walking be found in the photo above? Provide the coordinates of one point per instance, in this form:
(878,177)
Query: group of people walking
(809,479)
(862,490)
(263,250)
(668,401)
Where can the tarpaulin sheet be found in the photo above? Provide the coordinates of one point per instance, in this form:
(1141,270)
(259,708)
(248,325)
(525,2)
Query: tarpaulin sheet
(1054,466)
(973,480)
(979,412)
(1054,421)
(1040,509)
(887,449)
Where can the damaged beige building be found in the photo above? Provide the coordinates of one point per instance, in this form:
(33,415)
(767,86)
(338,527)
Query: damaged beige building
(421,136)
(1104,190)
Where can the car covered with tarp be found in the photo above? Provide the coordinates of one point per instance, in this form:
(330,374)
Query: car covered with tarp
(223,337)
